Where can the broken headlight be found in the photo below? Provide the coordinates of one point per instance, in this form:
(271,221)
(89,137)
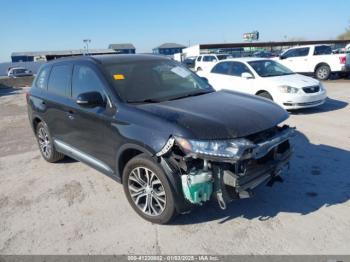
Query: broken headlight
(232,149)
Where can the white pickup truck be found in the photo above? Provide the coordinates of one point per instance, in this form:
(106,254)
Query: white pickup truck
(315,59)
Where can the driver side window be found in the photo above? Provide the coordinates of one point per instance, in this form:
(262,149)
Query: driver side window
(221,68)
(85,80)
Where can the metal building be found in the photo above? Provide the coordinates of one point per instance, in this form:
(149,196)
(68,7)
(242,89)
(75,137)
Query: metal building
(168,49)
(123,48)
(50,55)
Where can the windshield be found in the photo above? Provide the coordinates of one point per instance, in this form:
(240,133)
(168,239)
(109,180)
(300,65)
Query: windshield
(20,71)
(222,57)
(269,68)
(155,81)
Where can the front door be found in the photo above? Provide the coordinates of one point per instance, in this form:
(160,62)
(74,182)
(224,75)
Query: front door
(90,132)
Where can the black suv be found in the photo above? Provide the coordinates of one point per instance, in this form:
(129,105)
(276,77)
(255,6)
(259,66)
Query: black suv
(158,128)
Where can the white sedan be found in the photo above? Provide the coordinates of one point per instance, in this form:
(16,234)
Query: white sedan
(266,78)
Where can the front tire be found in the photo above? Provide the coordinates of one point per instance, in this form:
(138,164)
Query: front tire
(46,146)
(148,191)
(323,72)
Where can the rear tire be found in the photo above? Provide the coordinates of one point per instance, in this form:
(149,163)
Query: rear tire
(265,95)
(46,145)
(323,72)
(148,191)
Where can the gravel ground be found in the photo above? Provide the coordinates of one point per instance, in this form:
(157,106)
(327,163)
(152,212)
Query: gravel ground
(69,208)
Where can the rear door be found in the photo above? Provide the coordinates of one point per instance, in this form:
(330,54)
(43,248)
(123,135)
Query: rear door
(57,99)
(90,128)
(219,76)
(198,62)
(208,62)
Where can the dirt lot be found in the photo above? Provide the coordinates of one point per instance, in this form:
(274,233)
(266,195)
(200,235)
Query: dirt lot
(70,208)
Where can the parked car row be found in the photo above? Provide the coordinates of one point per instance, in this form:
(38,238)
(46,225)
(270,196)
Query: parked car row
(15,72)
(314,60)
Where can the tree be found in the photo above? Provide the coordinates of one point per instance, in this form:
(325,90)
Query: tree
(345,35)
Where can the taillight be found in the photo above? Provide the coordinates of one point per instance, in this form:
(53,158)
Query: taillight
(342,60)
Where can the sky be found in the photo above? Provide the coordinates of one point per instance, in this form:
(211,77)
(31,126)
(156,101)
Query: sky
(42,25)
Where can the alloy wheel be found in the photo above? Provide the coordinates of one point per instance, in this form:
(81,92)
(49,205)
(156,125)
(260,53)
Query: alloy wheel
(44,142)
(147,191)
(322,73)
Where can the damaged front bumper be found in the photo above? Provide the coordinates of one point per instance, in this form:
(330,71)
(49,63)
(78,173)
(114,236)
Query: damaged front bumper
(230,169)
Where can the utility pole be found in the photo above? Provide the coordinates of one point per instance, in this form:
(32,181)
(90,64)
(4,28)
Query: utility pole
(86,45)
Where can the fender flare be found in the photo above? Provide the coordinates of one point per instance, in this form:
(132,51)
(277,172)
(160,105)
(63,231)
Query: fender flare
(321,64)
(127,147)
(33,119)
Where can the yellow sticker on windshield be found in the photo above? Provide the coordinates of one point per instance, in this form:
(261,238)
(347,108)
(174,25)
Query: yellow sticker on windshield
(118,77)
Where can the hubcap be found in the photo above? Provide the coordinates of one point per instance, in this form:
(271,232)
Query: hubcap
(322,73)
(44,142)
(147,191)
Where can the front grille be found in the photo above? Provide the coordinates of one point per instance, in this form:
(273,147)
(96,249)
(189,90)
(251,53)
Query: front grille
(311,89)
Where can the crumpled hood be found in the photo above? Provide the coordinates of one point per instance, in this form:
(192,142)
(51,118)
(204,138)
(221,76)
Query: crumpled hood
(295,80)
(218,115)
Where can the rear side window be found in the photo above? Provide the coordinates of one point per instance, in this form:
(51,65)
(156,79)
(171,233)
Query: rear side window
(59,79)
(41,81)
(221,68)
(85,80)
(297,52)
(209,58)
(323,50)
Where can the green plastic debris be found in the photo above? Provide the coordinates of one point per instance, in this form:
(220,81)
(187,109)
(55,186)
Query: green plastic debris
(197,187)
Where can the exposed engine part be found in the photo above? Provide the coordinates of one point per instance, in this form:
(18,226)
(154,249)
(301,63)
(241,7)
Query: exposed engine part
(230,178)
(221,201)
(224,194)
(203,176)
(198,185)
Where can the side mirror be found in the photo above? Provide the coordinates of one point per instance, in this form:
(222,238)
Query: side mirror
(282,57)
(247,75)
(90,99)
(204,79)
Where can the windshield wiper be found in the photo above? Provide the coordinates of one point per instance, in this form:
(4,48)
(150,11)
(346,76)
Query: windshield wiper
(150,100)
(192,94)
